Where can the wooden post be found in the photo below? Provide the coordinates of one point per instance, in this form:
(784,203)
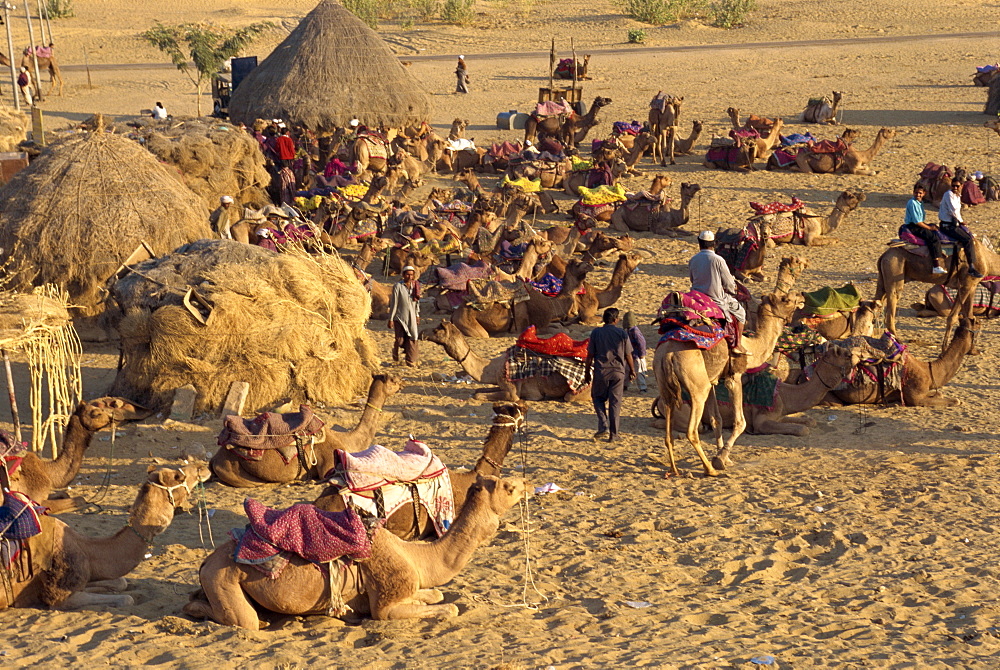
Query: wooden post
(43,17)
(34,54)
(552,65)
(41,25)
(572,47)
(14,417)
(10,50)
(86,60)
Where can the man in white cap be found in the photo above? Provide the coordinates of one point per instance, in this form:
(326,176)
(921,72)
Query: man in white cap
(462,75)
(404,315)
(224,216)
(710,275)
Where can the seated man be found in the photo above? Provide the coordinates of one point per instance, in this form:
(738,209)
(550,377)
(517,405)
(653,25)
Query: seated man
(710,275)
(915,224)
(953,226)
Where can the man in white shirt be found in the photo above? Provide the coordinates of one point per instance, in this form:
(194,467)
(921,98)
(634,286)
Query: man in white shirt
(952,224)
(710,275)
(159,113)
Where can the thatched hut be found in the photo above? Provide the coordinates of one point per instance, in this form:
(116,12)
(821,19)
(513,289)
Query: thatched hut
(83,206)
(289,324)
(332,68)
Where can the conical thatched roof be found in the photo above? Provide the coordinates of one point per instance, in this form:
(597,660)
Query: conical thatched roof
(83,206)
(332,68)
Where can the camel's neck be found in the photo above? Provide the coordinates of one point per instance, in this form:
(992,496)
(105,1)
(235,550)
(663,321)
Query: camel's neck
(495,449)
(116,556)
(361,436)
(439,561)
(619,276)
(761,346)
(734,118)
(800,397)
(571,283)
(635,154)
(874,148)
(948,364)
(471,362)
(986,256)
(527,268)
(657,187)
(685,208)
(66,465)
(785,279)
(773,136)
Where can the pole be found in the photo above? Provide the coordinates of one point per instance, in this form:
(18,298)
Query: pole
(34,54)
(86,60)
(41,25)
(15,418)
(43,16)
(10,50)
(572,47)
(552,65)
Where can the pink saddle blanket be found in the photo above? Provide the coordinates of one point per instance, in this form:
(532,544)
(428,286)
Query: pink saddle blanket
(303,530)
(694,306)
(774,207)
(553,108)
(377,466)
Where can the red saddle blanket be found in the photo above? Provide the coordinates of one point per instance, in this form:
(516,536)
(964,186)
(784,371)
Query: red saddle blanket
(11,451)
(837,146)
(694,306)
(774,207)
(559,344)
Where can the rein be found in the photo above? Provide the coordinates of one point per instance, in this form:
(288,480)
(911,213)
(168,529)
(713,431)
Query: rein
(170,489)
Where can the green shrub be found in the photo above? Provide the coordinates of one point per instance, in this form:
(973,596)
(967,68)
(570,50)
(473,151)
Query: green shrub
(366,10)
(655,12)
(59,9)
(636,36)
(731,13)
(458,11)
(426,9)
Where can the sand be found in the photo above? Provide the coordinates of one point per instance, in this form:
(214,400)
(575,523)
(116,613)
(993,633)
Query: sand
(869,543)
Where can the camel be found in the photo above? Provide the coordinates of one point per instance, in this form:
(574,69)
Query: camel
(938,302)
(739,158)
(457,131)
(568,130)
(766,144)
(491,371)
(428,150)
(581,70)
(823,110)
(921,380)
(60,563)
(593,300)
(539,310)
(681,365)
(361,152)
(640,144)
(852,161)
(815,229)
(232,470)
(685,146)
(840,325)
(508,419)
(44,63)
(728,241)
(648,215)
(897,265)
(663,126)
(832,367)
(37,478)
(394,583)
(761,124)
(574,180)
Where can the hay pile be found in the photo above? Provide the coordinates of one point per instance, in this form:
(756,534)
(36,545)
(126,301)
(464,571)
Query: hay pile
(13,129)
(214,159)
(291,325)
(83,206)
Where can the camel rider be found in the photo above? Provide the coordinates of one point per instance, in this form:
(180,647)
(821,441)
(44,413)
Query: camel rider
(710,275)
(224,216)
(953,226)
(915,224)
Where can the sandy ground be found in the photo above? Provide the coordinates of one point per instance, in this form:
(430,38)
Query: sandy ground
(870,543)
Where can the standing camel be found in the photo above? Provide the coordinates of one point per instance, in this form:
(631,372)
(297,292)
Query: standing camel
(683,366)
(44,63)
(664,114)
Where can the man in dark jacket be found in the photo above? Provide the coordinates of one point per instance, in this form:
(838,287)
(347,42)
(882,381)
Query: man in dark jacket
(609,364)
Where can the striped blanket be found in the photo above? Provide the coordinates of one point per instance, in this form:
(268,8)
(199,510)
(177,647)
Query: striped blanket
(525,364)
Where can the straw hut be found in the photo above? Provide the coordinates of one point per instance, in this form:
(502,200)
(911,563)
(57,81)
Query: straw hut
(332,68)
(217,311)
(83,206)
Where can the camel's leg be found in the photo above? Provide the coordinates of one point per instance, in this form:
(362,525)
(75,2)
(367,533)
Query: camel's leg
(414,609)
(714,416)
(698,399)
(764,425)
(227,603)
(429,596)
(668,438)
(494,396)
(735,386)
(668,140)
(60,505)
(84,599)
(116,585)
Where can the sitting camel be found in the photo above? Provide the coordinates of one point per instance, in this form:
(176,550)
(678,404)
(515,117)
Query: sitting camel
(685,146)
(37,478)
(59,563)
(395,582)
(920,380)
(492,371)
(831,368)
(761,124)
(823,110)
(739,157)
(646,213)
(574,180)
(851,161)
(860,321)
(314,460)
(457,130)
(813,230)
(407,524)
(939,300)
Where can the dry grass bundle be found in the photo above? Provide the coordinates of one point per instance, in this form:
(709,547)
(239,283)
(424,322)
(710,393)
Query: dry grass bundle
(290,324)
(38,325)
(330,69)
(83,206)
(13,129)
(214,158)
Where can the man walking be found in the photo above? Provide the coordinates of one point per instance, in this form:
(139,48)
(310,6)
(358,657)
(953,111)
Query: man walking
(953,226)
(710,275)
(404,315)
(609,363)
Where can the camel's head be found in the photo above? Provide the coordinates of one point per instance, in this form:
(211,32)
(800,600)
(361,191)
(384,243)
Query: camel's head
(662,181)
(780,305)
(542,245)
(689,190)
(600,102)
(630,261)
(697,126)
(102,412)
(887,133)
(843,359)
(501,494)
(850,199)
(837,96)
(867,320)
(169,488)
(850,135)
(392,384)
(968,327)
(578,269)
(444,333)
(733,112)
(509,412)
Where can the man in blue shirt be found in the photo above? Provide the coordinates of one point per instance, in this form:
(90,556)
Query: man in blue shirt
(914,223)
(609,365)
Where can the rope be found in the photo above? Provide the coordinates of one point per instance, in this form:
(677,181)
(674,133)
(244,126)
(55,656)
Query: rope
(105,485)
(203,512)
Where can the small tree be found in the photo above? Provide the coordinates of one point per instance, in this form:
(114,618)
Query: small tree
(206,46)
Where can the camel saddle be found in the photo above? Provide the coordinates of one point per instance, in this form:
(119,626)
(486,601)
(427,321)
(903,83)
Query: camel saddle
(916,246)
(881,363)
(378,147)
(483,293)
(829,301)
(377,466)
(11,451)
(249,438)
(838,146)
(661,100)
(986,296)
(646,199)
(549,108)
